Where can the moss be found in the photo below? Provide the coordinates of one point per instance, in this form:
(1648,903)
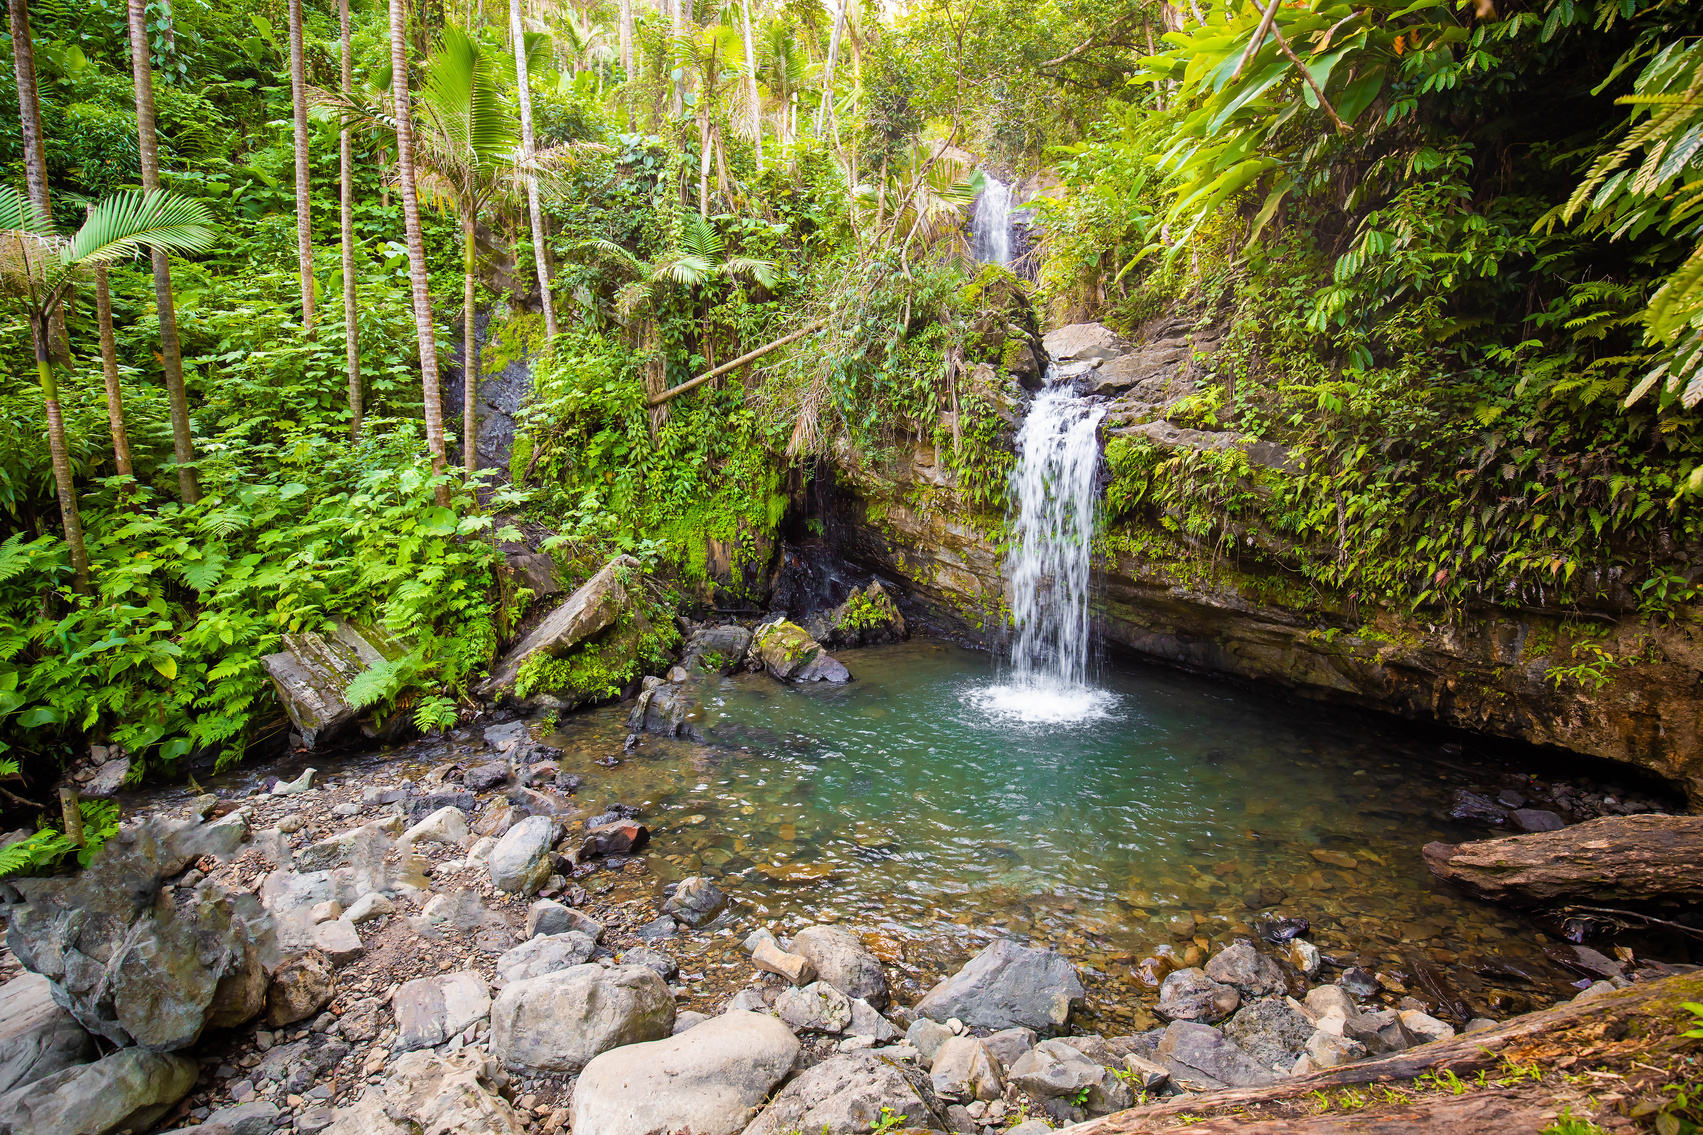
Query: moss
(641,641)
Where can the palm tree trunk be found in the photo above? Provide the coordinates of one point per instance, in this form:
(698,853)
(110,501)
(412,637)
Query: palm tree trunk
(469,349)
(171,356)
(534,210)
(704,160)
(674,10)
(751,79)
(29,106)
(346,225)
(109,369)
(416,242)
(627,41)
(304,170)
(61,459)
(827,107)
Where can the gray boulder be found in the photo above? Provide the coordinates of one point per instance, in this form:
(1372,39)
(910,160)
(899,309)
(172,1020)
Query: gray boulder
(589,610)
(559,1022)
(963,1071)
(257,1118)
(1053,1069)
(927,1036)
(37,1037)
(665,966)
(427,1094)
(1189,995)
(716,650)
(128,1090)
(314,670)
(1007,985)
(430,1010)
(696,902)
(705,1080)
(840,959)
(1251,972)
(135,965)
(1083,342)
(818,1007)
(544,954)
(866,1020)
(299,988)
(670,709)
(547,916)
(521,860)
(851,1094)
(1200,1053)
(1007,1045)
(789,653)
(1269,1031)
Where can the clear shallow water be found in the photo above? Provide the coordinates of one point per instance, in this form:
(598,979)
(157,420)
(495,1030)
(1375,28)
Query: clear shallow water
(898,802)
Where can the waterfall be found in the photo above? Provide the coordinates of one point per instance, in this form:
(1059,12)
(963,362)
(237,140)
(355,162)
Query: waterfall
(1055,498)
(990,228)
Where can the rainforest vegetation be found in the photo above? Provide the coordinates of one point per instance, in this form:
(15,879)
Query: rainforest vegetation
(253,247)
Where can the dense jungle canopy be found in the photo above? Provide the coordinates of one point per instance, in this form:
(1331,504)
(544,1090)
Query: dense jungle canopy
(1455,247)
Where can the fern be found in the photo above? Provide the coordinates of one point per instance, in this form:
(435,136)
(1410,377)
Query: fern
(41,850)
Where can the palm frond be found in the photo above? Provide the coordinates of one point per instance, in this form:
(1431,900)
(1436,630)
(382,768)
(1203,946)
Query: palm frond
(124,223)
(762,271)
(19,212)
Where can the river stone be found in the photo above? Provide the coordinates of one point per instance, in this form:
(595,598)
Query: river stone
(927,1036)
(427,1094)
(705,1080)
(1007,1045)
(313,670)
(37,1037)
(521,860)
(664,966)
(446,825)
(1425,1027)
(360,1020)
(1251,972)
(866,1020)
(1536,820)
(817,1007)
(128,1090)
(616,838)
(1328,1050)
(258,1118)
(135,964)
(546,916)
(1007,985)
(1269,1031)
(1053,1069)
(368,907)
(544,954)
(364,846)
(1190,995)
(841,960)
(559,1022)
(696,902)
(483,778)
(963,1070)
(300,988)
(595,605)
(772,959)
(851,1094)
(1193,1051)
(430,1010)
(1083,342)
(789,653)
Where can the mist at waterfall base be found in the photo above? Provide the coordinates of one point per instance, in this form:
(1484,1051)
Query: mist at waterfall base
(1056,501)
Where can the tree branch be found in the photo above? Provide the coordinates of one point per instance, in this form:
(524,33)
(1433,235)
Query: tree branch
(1088,45)
(1283,44)
(750,356)
(1256,43)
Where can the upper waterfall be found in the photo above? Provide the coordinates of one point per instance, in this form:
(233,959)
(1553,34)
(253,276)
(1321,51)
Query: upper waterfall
(990,228)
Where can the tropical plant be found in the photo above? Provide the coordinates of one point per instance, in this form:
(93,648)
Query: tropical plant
(523,46)
(712,54)
(37,271)
(304,168)
(346,225)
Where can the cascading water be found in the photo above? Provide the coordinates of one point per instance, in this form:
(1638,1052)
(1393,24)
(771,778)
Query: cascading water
(1054,491)
(990,228)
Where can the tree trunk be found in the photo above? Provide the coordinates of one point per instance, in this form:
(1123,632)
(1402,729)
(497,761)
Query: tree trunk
(416,242)
(469,350)
(704,160)
(171,356)
(534,210)
(1612,861)
(109,368)
(627,41)
(679,26)
(304,169)
(61,459)
(346,225)
(29,106)
(827,107)
(751,81)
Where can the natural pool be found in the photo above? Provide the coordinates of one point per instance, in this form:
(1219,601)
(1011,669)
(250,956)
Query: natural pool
(898,804)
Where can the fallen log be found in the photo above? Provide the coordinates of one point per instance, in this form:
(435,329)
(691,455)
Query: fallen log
(1552,1033)
(1614,860)
(749,356)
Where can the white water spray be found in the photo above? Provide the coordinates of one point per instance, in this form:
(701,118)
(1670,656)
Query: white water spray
(1053,489)
(990,228)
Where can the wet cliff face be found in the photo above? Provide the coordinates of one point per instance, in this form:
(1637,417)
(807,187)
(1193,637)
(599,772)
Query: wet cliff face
(1487,670)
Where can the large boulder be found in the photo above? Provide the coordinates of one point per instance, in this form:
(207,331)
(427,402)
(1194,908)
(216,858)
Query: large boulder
(1251,972)
(670,709)
(716,650)
(817,1007)
(705,1080)
(1190,995)
(789,653)
(1084,342)
(37,1037)
(841,960)
(696,902)
(1270,1032)
(430,1010)
(1200,1053)
(868,617)
(521,860)
(313,671)
(128,1090)
(560,1021)
(427,1094)
(547,953)
(851,1094)
(1054,1069)
(964,1070)
(1007,985)
(589,610)
(136,964)
(300,988)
